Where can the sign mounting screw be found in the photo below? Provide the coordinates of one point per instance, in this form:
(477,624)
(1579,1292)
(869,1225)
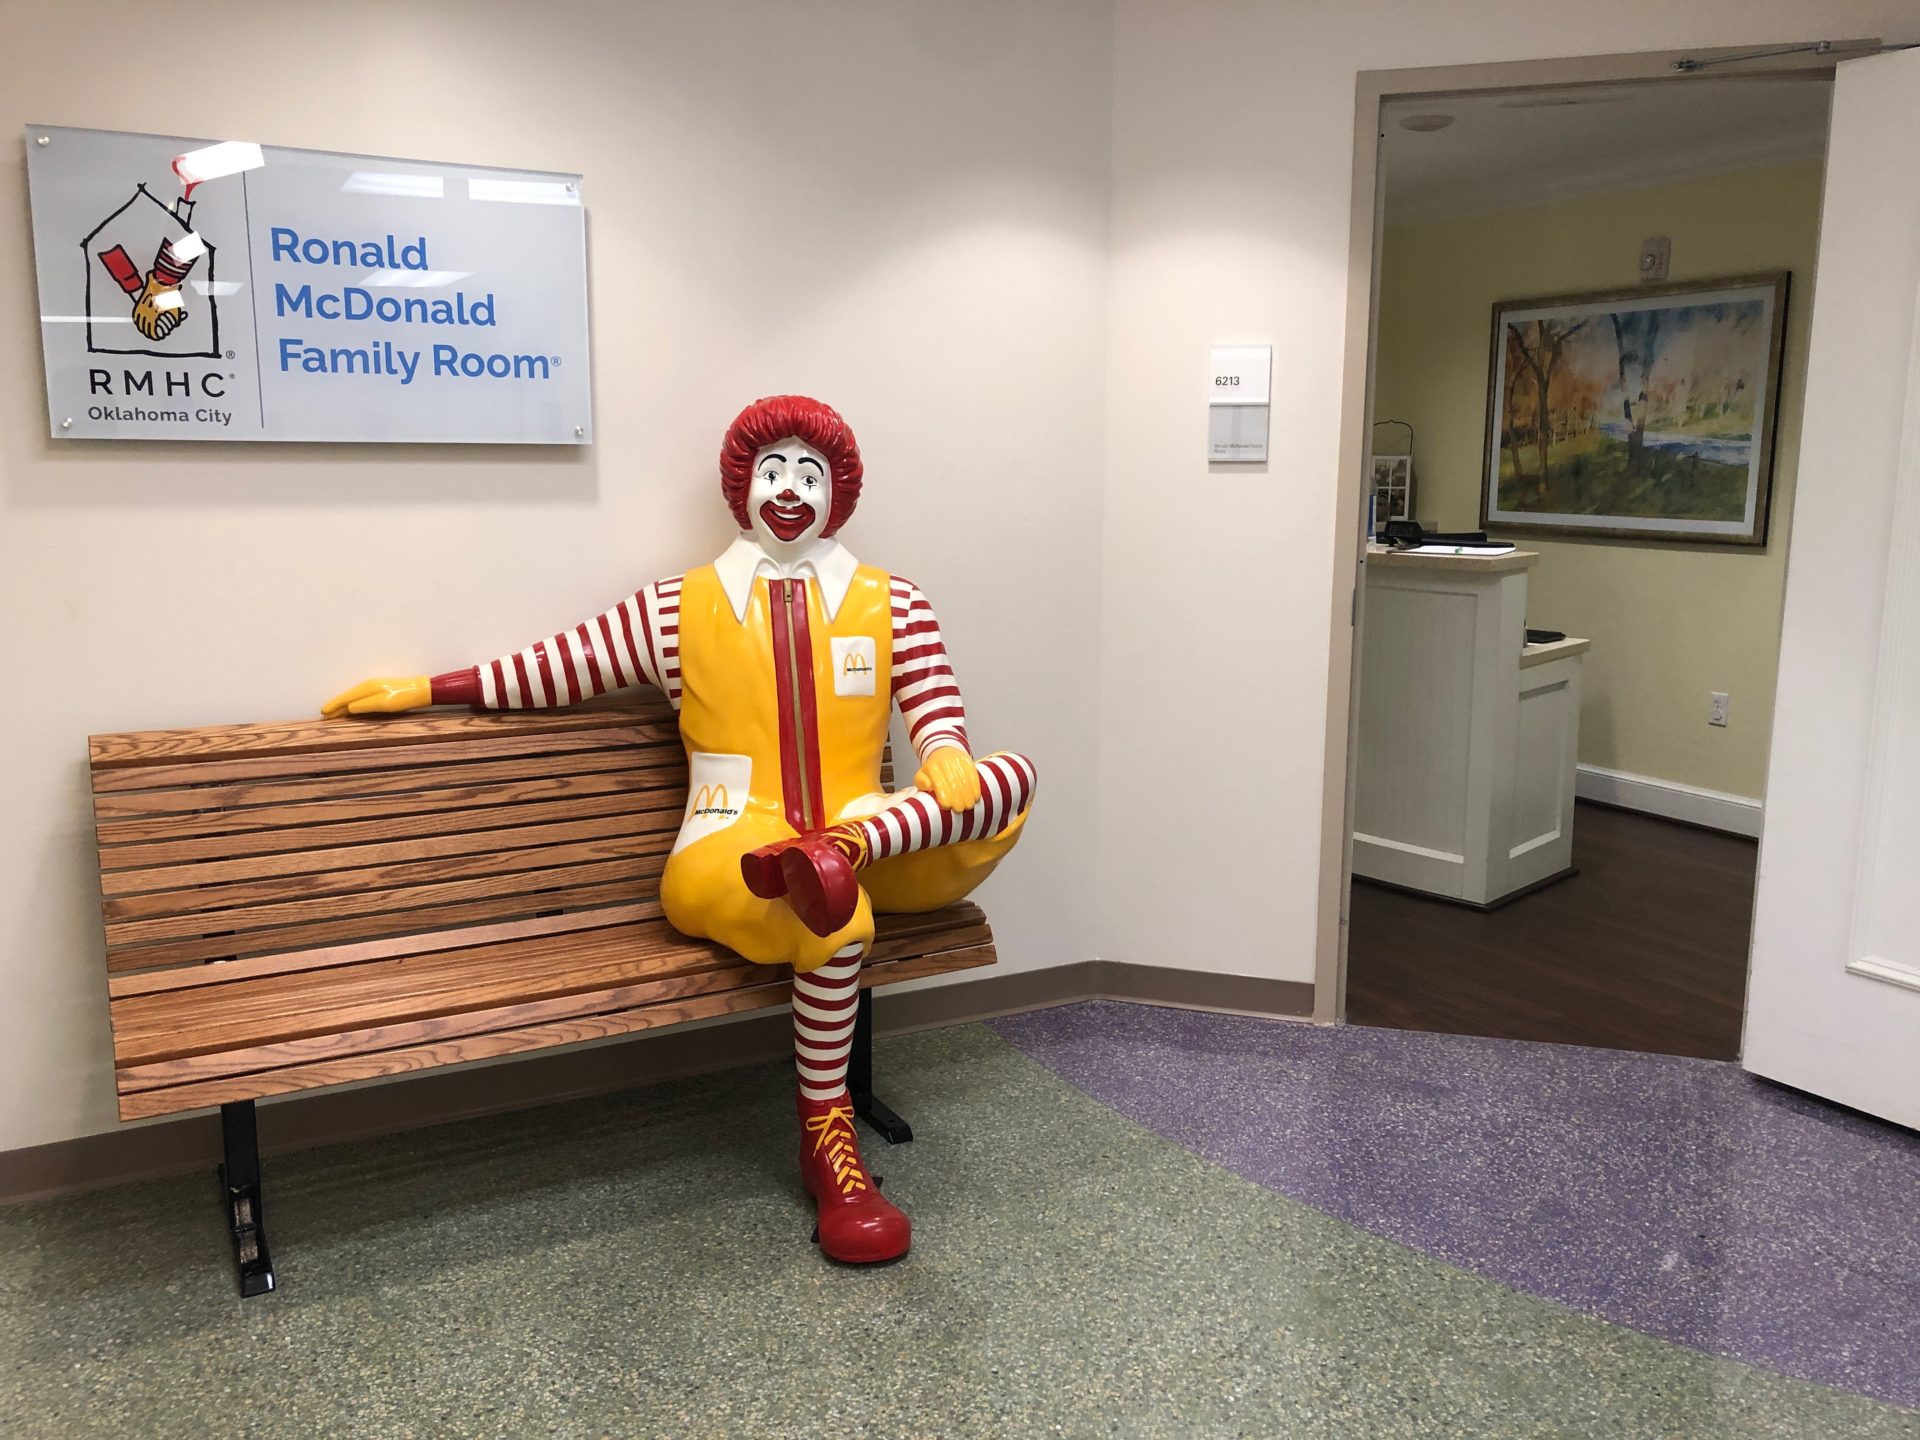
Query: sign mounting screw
(67,424)
(579,430)
(44,140)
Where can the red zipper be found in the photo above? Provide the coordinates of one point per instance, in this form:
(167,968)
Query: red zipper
(795,705)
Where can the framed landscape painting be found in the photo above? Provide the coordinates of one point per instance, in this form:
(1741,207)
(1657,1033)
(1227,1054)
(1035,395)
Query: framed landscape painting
(1642,414)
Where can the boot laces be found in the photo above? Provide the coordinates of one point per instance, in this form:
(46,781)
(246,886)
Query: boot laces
(851,841)
(833,1134)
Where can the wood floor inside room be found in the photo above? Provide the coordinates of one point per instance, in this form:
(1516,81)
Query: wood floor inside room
(1644,949)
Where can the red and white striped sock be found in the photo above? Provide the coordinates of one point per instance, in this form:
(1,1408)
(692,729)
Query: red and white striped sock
(824,1003)
(916,821)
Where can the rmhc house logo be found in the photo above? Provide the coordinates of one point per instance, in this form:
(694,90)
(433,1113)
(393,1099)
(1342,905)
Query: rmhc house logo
(712,800)
(131,311)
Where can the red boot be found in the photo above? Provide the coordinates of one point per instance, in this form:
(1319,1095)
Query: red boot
(858,1225)
(816,873)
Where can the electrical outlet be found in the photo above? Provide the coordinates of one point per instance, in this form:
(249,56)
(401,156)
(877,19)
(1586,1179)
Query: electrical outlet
(1656,255)
(1717,708)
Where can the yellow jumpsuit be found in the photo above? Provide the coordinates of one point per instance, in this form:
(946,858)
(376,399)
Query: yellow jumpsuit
(784,718)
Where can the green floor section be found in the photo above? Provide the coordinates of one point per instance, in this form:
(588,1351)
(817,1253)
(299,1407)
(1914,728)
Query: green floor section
(638,1265)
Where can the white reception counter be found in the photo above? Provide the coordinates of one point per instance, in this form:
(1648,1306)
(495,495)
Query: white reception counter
(1468,736)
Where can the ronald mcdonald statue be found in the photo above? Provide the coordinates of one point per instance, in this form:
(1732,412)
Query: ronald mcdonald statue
(784,658)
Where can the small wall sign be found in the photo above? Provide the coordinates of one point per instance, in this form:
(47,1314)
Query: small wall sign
(1239,401)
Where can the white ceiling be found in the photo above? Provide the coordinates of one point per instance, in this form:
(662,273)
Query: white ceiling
(1515,148)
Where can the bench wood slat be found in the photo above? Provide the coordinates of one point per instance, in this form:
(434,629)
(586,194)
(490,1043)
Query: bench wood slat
(123,793)
(347,733)
(330,1043)
(386,992)
(144,958)
(192,977)
(200,884)
(507,1042)
(263,1083)
(390,904)
(270,827)
(366,745)
(319,1047)
(254,1011)
(249,904)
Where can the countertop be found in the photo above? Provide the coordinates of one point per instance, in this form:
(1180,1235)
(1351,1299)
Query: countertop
(1531,655)
(1458,564)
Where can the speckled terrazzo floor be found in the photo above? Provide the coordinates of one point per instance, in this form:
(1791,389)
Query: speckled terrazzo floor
(1680,1197)
(637,1265)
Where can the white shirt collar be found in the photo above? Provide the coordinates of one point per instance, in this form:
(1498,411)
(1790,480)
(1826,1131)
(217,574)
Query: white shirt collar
(827,562)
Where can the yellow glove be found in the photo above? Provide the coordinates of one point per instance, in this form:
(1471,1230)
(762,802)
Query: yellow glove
(950,774)
(385,696)
(158,309)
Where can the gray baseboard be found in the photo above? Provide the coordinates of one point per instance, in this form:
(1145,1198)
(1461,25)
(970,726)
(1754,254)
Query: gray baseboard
(171,1147)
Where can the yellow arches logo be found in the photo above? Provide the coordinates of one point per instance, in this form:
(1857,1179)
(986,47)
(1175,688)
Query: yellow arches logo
(712,800)
(855,659)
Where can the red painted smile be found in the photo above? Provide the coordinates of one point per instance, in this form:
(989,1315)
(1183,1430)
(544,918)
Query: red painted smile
(788,516)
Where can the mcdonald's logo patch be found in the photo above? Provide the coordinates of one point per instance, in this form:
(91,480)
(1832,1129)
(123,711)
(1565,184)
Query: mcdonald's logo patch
(712,800)
(854,658)
(718,790)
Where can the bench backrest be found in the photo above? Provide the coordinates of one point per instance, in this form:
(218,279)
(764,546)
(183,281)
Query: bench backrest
(253,840)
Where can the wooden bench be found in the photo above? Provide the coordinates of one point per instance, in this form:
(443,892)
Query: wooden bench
(297,905)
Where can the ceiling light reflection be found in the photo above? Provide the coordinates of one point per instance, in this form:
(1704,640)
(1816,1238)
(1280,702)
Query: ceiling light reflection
(412,279)
(210,162)
(524,192)
(376,182)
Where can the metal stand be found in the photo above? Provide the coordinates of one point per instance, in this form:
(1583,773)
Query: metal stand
(888,1125)
(240,1194)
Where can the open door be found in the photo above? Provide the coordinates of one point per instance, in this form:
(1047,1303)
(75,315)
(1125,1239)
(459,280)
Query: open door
(1833,1005)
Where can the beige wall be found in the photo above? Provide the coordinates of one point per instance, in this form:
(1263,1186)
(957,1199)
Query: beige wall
(1670,623)
(902,209)
(1232,170)
(1002,198)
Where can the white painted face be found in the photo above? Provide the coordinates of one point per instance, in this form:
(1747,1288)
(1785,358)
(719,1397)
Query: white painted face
(790,496)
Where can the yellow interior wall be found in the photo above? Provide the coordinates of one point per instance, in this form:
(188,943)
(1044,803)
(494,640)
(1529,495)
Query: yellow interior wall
(1670,623)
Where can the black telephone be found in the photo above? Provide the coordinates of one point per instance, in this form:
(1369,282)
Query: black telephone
(1405,534)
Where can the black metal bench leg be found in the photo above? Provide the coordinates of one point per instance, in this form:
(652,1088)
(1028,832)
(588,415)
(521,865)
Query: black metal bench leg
(240,1194)
(890,1126)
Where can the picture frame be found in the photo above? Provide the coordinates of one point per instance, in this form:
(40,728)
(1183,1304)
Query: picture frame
(1647,413)
(1390,477)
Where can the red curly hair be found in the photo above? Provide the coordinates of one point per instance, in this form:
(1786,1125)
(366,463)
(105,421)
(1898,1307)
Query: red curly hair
(765,422)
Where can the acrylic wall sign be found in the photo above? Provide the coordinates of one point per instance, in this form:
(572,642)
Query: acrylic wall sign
(226,290)
(1239,396)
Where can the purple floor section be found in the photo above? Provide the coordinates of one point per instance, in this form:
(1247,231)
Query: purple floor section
(1679,1197)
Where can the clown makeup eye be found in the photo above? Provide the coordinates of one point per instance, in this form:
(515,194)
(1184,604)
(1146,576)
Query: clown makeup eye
(808,481)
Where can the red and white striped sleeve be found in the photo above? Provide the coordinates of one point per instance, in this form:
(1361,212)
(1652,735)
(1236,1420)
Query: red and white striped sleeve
(637,642)
(923,682)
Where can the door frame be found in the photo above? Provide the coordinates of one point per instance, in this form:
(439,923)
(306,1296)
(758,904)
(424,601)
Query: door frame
(1372,89)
